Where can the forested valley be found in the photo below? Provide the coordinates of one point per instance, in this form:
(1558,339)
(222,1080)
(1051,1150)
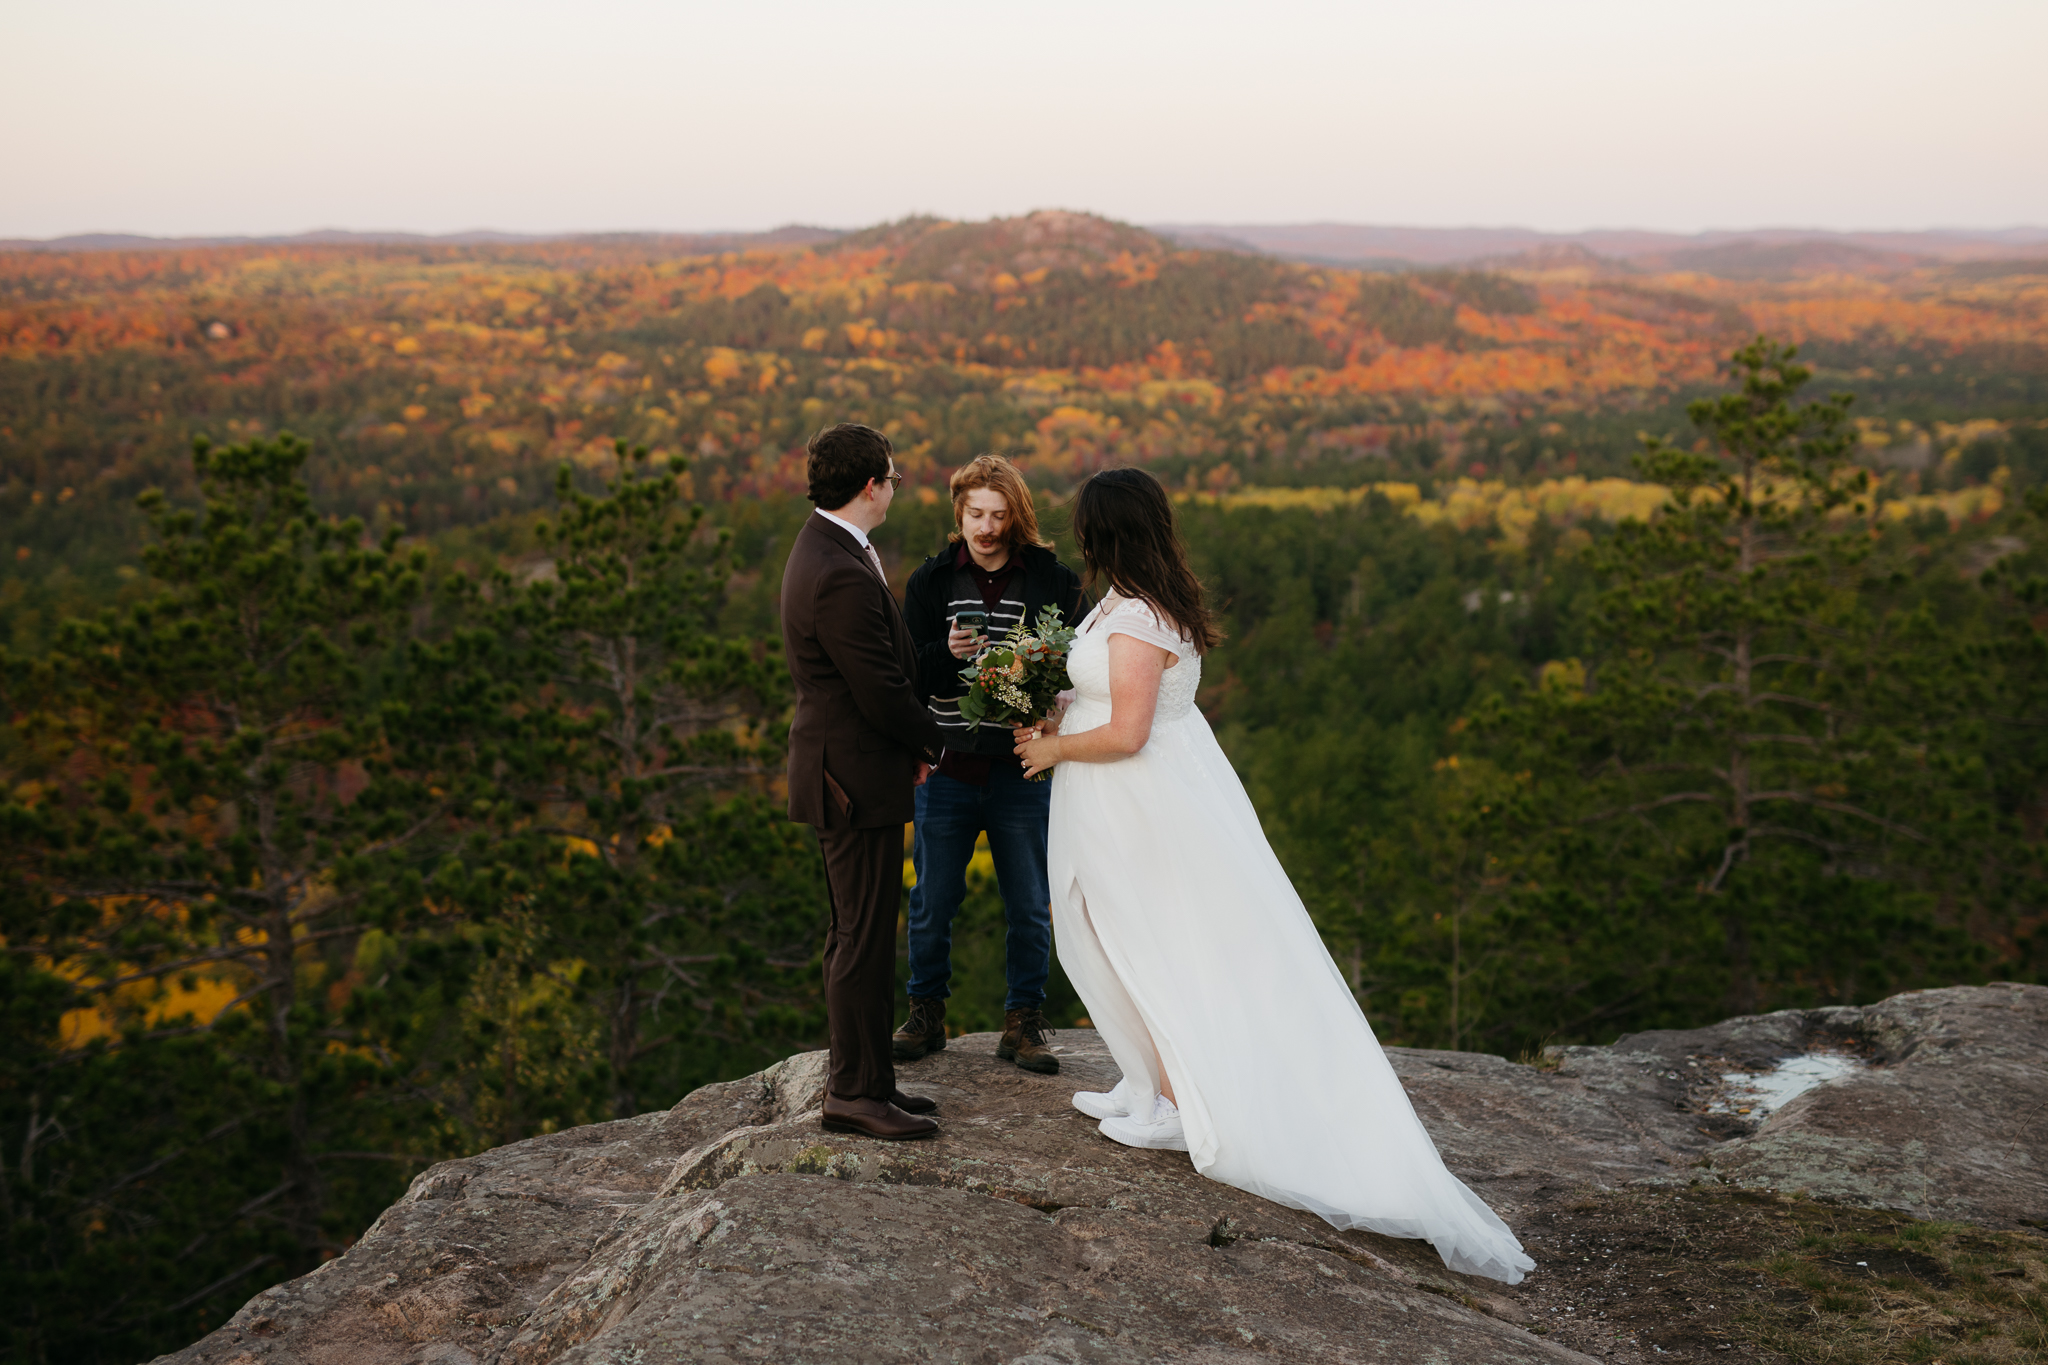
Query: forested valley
(395,705)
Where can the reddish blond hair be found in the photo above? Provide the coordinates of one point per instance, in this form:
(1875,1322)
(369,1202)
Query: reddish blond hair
(998,475)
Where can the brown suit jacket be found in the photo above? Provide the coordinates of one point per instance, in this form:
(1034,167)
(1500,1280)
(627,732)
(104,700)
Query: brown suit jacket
(859,726)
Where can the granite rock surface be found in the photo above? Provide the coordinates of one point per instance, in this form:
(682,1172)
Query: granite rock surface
(732,1228)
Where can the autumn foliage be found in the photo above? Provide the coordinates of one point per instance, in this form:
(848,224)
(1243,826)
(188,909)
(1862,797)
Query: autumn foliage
(443,385)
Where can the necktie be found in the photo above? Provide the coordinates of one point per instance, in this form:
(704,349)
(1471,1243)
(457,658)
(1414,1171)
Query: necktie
(876,560)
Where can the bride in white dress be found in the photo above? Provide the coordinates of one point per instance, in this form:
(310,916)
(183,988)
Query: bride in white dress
(1239,1040)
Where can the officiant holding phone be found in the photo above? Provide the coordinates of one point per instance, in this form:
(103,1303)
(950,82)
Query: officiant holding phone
(995,571)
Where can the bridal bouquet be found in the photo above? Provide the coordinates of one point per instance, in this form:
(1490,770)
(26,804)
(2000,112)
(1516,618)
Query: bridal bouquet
(1017,678)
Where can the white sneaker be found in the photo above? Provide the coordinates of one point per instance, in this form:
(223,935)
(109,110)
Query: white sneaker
(1164,1131)
(1103,1104)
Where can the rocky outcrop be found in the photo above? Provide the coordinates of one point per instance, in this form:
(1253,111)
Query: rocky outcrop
(732,1228)
(1946,1115)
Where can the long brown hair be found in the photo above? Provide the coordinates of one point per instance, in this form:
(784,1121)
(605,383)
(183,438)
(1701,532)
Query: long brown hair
(1125,526)
(999,475)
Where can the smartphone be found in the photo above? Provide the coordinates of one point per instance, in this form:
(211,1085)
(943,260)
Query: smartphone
(976,621)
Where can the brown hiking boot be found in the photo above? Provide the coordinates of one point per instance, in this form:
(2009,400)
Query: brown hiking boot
(1024,1035)
(924,1032)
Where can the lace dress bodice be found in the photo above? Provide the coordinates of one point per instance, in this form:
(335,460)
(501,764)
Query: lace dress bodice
(1088,664)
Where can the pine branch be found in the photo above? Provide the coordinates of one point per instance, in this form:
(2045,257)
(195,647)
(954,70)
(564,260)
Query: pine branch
(1676,798)
(1841,808)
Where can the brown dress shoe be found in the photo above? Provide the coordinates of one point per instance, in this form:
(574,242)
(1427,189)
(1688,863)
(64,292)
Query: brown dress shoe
(1024,1035)
(875,1119)
(924,1032)
(913,1104)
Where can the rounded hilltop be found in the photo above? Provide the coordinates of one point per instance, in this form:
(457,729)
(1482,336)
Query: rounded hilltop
(993,256)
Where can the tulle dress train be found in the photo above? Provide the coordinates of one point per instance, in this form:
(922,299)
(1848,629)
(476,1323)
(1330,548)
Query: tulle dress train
(1180,930)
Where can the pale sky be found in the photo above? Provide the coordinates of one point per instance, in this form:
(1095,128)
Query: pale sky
(263,116)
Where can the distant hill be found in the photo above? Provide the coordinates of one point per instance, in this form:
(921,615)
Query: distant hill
(1555,256)
(1755,260)
(975,255)
(444,384)
(794,235)
(1759,254)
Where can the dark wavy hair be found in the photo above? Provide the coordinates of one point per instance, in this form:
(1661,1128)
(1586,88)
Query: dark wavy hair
(843,460)
(1124,524)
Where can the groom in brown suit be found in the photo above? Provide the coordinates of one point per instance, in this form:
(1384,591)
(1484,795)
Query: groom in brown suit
(860,743)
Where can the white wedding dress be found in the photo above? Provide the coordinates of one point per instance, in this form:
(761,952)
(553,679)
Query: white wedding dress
(1178,927)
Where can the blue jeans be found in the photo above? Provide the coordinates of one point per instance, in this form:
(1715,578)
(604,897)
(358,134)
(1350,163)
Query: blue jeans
(950,813)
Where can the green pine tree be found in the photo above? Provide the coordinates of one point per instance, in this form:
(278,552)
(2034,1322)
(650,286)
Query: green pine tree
(216,809)
(636,747)
(1769,709)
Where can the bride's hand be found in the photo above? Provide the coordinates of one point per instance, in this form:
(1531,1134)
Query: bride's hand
(1045,725)
(1039,752)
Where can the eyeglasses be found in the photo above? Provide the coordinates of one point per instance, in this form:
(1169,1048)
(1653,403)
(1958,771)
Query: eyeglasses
(895,480)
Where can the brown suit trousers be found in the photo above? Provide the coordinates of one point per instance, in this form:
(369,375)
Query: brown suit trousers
(859,731)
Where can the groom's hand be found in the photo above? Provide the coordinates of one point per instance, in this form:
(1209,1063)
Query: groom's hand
(924,770)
